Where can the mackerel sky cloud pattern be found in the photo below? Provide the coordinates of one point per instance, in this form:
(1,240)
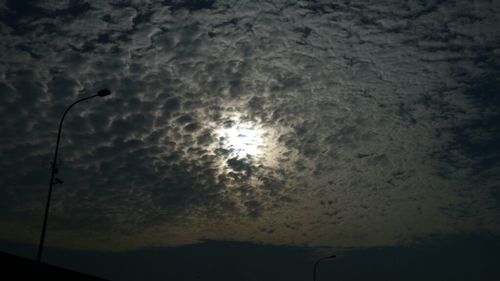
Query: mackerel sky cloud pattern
(377,121)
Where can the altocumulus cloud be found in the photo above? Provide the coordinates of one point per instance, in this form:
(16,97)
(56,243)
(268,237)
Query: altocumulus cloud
(376,120)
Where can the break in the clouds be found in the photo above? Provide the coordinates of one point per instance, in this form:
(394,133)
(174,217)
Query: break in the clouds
(317,123)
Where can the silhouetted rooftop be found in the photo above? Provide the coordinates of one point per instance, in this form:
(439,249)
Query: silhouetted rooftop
(25,269)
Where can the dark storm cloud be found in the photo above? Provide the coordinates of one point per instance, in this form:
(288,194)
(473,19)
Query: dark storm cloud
(373,106)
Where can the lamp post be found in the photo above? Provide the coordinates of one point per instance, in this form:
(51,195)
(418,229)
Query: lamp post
(318,261)
(101,93)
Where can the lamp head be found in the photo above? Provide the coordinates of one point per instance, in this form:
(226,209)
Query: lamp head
(104,92)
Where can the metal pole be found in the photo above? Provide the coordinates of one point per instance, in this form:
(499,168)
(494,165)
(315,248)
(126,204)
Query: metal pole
(318,261)
(53,173)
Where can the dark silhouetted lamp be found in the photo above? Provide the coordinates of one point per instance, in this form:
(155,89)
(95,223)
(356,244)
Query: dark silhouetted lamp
(318,261)
(53,179)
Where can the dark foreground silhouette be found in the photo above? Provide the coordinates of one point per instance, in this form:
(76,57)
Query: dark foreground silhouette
(435,258)
(18,268)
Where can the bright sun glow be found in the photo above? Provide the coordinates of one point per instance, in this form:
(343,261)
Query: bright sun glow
(242,140)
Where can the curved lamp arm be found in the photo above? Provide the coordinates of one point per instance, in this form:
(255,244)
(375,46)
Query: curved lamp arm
(101,93)
(318,261)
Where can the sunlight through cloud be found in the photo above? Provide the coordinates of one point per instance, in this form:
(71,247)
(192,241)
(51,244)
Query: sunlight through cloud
(242,140)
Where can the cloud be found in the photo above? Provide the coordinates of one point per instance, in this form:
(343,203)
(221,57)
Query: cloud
(378,108)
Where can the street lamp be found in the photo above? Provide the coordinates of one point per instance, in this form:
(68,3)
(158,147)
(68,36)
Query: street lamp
(101,93)
(318,261)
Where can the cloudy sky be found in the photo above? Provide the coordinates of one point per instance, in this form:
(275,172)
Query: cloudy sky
(250,131)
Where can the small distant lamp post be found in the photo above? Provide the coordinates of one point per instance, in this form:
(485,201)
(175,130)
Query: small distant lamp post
(318,261)
(53,179)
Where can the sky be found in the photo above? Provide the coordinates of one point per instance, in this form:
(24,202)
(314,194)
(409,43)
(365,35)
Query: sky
(250,138)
